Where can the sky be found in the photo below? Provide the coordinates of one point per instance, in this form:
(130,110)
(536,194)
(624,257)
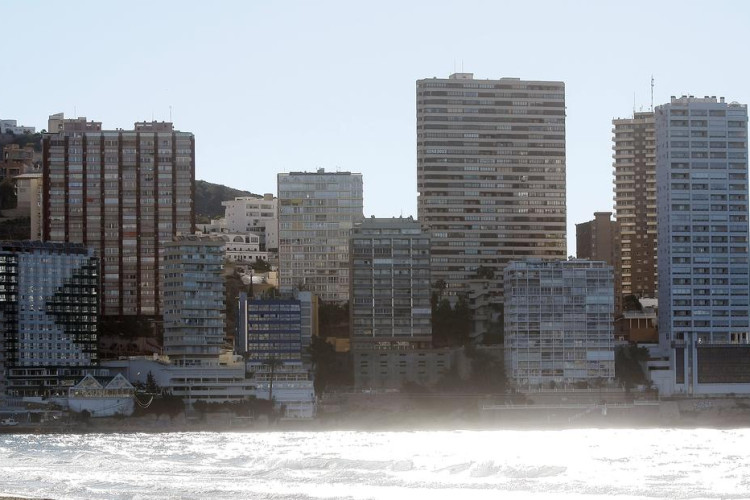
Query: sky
(278,86)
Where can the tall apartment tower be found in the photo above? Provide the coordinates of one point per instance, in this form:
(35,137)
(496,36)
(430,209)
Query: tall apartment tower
(317,211)
(49,308)
(701,171)
(635,206)
(490,174)
(558,322)
(194,309)
(125,193)
(390,285)
(595,239)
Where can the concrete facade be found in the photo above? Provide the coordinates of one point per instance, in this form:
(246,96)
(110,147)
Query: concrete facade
(194,309)
(390,286)
(254,215)
(29,201)
(595,239)
(634,167)
(558,323)
(701,170)
(490,174)
(125,193)
(317,211)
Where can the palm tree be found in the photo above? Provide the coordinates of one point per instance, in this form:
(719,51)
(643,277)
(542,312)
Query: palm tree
(271,362)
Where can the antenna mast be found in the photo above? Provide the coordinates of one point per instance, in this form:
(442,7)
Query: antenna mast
(652,93)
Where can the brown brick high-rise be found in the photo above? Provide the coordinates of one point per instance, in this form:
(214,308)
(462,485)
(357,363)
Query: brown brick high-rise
(635,206)
(125,193)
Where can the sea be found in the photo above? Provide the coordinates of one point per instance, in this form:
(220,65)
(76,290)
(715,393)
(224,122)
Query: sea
(434,465)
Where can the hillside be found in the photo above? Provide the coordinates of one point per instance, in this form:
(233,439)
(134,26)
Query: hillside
(208,198)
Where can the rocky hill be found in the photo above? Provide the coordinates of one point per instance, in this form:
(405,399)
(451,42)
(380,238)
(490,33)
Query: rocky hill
(208,198)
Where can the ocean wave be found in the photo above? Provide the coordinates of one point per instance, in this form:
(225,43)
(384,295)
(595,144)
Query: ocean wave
(596,463)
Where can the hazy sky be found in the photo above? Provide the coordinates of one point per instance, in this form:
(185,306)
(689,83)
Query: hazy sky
(270,87)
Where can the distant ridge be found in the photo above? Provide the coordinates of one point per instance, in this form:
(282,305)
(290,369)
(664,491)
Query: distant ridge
(208,198)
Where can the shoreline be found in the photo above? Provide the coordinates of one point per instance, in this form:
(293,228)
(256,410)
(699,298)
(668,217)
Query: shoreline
(529,420)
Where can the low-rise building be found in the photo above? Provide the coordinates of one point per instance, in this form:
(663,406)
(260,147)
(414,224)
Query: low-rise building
(102,396)
(243,247)
(292,389)
(393,369)
(12,127)
(248,214)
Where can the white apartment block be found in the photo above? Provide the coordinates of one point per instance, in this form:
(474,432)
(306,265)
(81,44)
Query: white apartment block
(12,127)
(242,247)
(254,215)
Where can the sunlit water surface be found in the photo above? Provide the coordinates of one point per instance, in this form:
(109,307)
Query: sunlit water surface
(654,463)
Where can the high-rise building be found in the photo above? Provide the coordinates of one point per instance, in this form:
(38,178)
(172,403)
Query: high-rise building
(702,186)
(317,211)
(595,239)
(490,174)
(125,193)
(194,310)
(49,306)
(390,285)
(635,206)
(558,322)
(391,317)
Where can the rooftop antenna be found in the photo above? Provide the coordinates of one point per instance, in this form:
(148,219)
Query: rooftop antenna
(462,65)
(170,113)
(454,64)
(652,93)
(633,103)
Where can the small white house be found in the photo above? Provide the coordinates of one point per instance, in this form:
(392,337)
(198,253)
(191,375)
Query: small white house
(102,397)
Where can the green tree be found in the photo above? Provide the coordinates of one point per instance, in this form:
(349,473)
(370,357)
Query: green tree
(260,265)
(631,303)
(629,362)
(151,385)
(487,371)
(273,363)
